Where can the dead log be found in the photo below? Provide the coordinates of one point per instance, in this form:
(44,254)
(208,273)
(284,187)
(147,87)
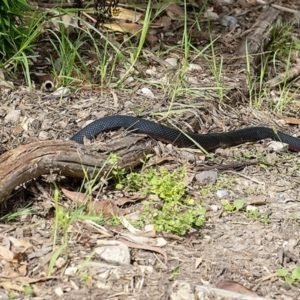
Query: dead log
(67,158)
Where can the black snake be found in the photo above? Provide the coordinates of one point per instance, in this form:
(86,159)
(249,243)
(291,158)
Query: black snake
(176,137)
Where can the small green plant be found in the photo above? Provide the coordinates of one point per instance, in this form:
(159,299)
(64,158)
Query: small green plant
(12,295)
(296,218)
(178,212)
(142,108)
(256,214)
(289,277)
(122,179)
(234,207)
(224,182)
(114,221)
(174,217)
(86,279)
(28,290)
(175,273)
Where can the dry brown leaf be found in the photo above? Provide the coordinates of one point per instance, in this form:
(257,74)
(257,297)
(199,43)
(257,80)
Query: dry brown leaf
(116,99)
(293,121)
(188,178)
(124,27)
(107,208)
(233,286)
(2,77)
(77,197)
(19,256)
(22,245)
(151,39)
(146,247)
(174,9)
(164,22)
(148,232)
(253,2)
(247,3)
(68,22)
(3,82)
(132,199)
(5,241)
(143,240)
(160,160)
(121,13)
(22,270)
(8,285)
(129,227)
(6,254)
(8,271)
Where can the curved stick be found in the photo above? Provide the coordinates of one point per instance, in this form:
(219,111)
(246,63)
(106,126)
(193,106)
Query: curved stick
(66,158)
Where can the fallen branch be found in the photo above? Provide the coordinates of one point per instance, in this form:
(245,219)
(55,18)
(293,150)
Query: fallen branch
(284,77)
(60,157)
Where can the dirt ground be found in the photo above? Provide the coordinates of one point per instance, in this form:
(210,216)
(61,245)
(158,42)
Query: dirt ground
(229,248)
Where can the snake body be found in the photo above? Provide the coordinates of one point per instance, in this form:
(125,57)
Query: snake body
(176,137)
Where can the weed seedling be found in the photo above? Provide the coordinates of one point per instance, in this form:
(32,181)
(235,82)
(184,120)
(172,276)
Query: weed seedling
(28,290)
(234,207)
(175,273)
(86,279)
(290,278)
(12,295)
(256,214)
(295,217)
